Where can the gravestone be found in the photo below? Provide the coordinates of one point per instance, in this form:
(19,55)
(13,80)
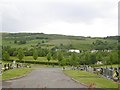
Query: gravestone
(14,62)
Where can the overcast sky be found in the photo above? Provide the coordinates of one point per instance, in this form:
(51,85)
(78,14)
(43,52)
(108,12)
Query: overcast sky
(68,17)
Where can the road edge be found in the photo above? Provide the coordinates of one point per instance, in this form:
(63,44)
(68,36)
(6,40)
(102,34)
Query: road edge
(18,76)
(75,79)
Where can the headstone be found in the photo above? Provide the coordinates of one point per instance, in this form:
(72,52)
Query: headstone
(14,64)
(8,66)
(17,66)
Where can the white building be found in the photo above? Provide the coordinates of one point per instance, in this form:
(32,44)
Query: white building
(72,50)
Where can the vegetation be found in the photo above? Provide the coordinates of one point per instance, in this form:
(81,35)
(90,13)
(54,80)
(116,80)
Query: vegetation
(74,60)
(6,55)
(35,54)
(20,54)
(52,49)
(48,57)
(50,40)
(57,47)
(89,78)
(36,62)
(15,73)
(60,57)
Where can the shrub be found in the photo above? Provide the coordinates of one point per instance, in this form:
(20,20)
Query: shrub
(35,62)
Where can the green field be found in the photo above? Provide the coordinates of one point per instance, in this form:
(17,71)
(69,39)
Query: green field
(78,42)
(27,45)
(89,78)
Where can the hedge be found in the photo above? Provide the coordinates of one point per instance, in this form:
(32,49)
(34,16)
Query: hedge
(35,62)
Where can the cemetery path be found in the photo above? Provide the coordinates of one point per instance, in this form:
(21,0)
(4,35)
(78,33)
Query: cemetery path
(43,78)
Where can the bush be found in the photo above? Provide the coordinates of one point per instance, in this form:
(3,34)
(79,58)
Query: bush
(36,62)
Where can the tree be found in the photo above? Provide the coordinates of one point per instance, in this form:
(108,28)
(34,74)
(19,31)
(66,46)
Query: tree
(92,58)
(35,54)
(85,58)
(63,62)
(43,41)
(113,57)
(22,42)
(48,57)
(6,55)
(42,52)
(74,59)
(20,54)
(9,50)
(100,45)
(15,41)
(99,56)
(54,55)
(15,53)
(81,58)
(60,57)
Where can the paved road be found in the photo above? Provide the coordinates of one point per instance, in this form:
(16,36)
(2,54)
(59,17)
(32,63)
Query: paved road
(43,78)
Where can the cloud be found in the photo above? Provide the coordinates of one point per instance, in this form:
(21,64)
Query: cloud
(79,17)
(97,28)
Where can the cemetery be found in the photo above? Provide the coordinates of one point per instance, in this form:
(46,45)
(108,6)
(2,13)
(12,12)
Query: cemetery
(91,61)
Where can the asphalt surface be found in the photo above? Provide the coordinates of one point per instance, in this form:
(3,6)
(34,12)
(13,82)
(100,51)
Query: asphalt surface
(43,78)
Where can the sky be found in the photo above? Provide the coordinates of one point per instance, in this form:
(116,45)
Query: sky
(96,18)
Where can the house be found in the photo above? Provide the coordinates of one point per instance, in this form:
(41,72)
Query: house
(73,50)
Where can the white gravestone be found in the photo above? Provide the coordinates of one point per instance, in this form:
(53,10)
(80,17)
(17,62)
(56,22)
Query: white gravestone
(14,64)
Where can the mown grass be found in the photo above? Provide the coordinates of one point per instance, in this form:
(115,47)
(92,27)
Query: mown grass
(104,66)
(15,73)
(88,78)
(30,58)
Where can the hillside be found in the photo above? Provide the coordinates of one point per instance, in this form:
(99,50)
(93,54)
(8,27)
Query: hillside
(29,40)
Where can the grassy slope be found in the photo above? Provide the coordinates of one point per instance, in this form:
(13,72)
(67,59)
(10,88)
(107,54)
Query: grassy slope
(54,40)
(15,73)
(27,45)
(87,78)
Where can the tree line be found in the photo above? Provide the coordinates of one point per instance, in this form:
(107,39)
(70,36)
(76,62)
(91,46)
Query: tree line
(63,56)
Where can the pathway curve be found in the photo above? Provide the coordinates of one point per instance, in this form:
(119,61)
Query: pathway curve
(43,78)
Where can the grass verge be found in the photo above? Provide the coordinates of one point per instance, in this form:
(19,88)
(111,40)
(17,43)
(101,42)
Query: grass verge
(89,78)
(14,73)
(104,66)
